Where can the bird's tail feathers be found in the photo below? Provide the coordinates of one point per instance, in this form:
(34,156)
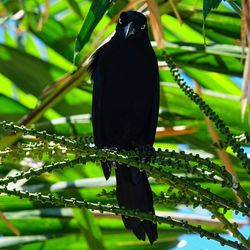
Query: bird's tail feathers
(106,167)
(135,194)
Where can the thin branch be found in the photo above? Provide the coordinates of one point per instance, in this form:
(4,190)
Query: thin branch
(126,212)
(205,108)
(231,227)
(177,14)
(131,157)
(224,157)
(159,173)
(9,225)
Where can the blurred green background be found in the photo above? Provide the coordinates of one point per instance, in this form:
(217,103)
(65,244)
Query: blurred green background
(39,88)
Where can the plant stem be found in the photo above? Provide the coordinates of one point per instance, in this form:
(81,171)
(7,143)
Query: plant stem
(123,211)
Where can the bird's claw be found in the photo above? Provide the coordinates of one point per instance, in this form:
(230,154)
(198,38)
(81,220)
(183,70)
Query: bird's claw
(113,149)
(113,163)
(146,152)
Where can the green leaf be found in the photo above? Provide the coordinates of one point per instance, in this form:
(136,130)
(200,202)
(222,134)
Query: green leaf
(113,241)
(179,103)
(8,242)
(75,7)
(215,49)
(72,125)
(208,5)
(214,81)
(220,24)
(238,2)
(69,242)
(40,226)
(90,230)
(218,58)
(95,14)
(10,106)
(236,7)
(11,5)
(56,35)
(31,73)
(218,62)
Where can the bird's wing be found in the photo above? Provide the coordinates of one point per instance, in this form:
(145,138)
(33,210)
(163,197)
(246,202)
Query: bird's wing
(156,101)
(151,128)
(97,109)
(97,99)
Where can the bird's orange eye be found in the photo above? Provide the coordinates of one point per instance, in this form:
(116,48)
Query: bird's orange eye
(120,21)
(143,26)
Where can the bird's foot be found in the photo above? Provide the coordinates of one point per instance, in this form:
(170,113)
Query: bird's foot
(113,149)
(151,152)
(113,163)
(146,153)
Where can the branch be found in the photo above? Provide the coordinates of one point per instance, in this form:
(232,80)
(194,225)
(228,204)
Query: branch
(205,108)
(126,212)
(187,199)
(81,145)
(159,173)
(231,227)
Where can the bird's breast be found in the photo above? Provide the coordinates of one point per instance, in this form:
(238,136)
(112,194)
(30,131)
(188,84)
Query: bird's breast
(129,76)
(128,67)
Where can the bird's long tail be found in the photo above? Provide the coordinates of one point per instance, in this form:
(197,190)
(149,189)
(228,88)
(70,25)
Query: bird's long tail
(133,192)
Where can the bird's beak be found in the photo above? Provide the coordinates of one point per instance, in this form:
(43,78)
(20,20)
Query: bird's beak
(129,30)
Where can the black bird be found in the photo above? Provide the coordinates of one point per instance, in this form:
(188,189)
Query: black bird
(125,109)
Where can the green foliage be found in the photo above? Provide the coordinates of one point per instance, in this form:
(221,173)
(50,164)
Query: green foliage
(116,210)
(29,69)
(75,6)
(208,5)
(40,89)
(159,172)
(96,12)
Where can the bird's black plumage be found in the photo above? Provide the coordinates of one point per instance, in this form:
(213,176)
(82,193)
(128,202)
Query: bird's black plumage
(125,110)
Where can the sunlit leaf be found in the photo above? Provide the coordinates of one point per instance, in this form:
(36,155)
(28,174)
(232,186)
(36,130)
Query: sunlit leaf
(96,12)
(208,5)
(40,88)
(8,242)
(222,59)
(74,5)
(31,74)
(89,229)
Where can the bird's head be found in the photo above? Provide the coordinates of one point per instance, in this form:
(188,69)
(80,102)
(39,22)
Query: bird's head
(132,24)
